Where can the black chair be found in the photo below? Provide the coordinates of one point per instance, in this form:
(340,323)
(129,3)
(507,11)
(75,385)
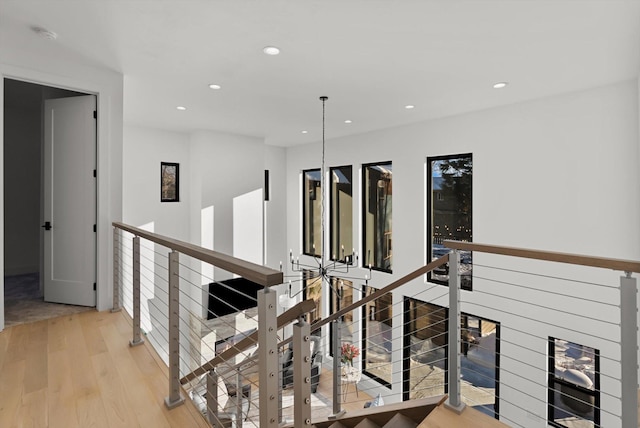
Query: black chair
(246,397)
(316,365)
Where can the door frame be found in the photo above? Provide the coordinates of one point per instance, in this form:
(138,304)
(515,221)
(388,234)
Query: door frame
(108,91)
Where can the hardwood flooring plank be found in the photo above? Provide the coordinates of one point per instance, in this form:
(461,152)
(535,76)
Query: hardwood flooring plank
(16,349)
(113,392)
(63,412)
(33,412)
(36,375)
(90,411)
(158,378)
(5,337)
(11,386)
(91,329)
(138,393)
(57,340)
(89,408)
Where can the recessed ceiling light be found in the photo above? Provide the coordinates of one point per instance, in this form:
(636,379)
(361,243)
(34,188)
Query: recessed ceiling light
(271,50)
(409,107)
(44,33)
(305,132)
(347,121)
(500,85)
(181,108)
(214,86)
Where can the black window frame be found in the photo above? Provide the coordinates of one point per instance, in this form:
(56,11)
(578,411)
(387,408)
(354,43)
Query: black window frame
(466,284)
(406,345)
(305,238)
(365,256)
(553,380)
(365,319)
(348,250)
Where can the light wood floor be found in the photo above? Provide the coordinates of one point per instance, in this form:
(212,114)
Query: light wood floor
(79,371)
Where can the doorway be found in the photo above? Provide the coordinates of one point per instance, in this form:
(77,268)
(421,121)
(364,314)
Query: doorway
(24,195)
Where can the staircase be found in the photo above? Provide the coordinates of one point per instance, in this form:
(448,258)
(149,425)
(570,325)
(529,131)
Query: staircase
(423,413)
(407,414)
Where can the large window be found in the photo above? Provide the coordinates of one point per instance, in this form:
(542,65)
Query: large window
(480,363)
(341,296)
(313,290)
(425,349)
(312,212)
(376,337)
(377,202)
(341,224)
(450,212)
(574,385)
(425,354)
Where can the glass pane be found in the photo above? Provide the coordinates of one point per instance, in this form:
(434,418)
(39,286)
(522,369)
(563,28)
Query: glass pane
(425,349)
(313,290)
(479,338)
(341,296)
(341,214)
(377,221)
(377,316)
(575,385)
(312,213)
(450,184)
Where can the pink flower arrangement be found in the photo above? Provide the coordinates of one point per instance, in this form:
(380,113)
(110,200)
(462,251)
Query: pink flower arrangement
(348,352)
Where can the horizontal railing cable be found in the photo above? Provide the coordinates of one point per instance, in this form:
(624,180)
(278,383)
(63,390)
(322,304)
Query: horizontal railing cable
(510,298)
(535,320)
(581,298)
(218,283)
(544,276)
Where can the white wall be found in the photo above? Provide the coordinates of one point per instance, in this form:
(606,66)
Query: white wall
(559,174)
(144,150)
(275,211)
(69,71)
(224,166)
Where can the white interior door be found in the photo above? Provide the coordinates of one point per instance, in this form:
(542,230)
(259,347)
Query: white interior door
(70,200)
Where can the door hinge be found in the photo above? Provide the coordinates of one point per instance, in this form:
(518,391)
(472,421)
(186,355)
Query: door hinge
(95,172)
(95,286)
(95,228)
(95,114)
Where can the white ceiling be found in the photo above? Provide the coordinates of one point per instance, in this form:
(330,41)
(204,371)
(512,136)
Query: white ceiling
(371,57)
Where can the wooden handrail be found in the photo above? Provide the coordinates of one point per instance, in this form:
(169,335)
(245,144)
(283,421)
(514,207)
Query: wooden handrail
(575,259)
(283,319)
(253,272)
(395,284)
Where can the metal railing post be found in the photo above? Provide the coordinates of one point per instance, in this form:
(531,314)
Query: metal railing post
(116,271)
(301,374)
(174,399)
(239,399)
(137,339)
(454,401)
(268,358)
(629,349)
(212,398)
(335,346)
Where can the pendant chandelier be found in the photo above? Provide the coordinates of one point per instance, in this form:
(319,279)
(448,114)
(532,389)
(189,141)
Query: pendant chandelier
(324,269)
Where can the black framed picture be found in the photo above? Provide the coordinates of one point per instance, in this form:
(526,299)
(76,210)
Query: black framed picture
(169,182)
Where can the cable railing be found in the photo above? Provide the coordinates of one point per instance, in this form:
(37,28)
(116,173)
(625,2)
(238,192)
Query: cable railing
(527,343)
(158,281)
(568,349)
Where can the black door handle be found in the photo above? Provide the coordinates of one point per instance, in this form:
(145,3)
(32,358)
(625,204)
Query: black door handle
(47,225)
